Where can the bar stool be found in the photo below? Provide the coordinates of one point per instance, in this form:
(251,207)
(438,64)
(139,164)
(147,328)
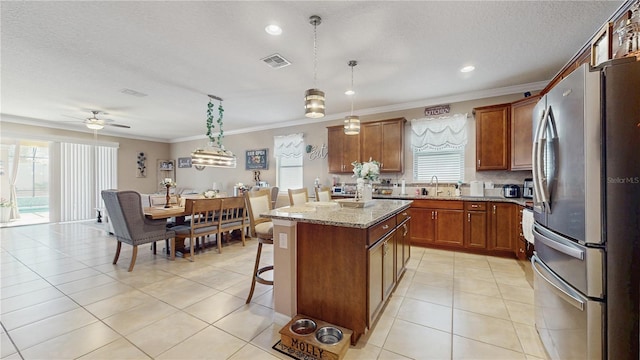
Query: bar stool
(259,202)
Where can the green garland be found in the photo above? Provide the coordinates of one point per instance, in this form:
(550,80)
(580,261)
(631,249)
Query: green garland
(210,125)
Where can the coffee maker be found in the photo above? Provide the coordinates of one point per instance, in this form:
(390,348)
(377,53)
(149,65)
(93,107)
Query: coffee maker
(527,188)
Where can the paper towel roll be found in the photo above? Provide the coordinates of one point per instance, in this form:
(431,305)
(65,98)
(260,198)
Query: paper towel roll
(527,225)
(403,189)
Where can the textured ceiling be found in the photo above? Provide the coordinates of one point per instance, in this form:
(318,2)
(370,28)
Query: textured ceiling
(62,59)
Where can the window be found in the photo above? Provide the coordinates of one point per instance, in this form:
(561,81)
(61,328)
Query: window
(289,174)
(85,171)
(288,151)
(448,166)
(438,147)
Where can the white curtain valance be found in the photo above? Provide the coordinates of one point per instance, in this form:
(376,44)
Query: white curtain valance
(437,134)
(288,145)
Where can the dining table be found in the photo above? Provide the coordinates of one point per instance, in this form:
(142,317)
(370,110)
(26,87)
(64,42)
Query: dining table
(175,211)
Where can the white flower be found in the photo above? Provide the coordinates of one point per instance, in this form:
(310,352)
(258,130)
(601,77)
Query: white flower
(369,170)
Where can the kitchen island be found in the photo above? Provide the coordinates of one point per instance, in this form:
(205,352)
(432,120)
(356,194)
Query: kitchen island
(339,264)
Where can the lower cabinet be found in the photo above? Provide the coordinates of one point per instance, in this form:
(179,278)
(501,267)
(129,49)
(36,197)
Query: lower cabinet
(382,273)
(490,228)
(503,223)
(403,247)
(437,222)
(475,225)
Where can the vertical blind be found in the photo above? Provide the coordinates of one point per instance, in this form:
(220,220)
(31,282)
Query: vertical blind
(85,170)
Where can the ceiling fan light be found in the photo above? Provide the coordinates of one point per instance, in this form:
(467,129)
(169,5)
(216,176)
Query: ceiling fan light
(314,103)
(95,126)
(352,125)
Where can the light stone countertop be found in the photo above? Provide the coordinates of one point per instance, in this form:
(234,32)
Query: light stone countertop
(519,201)
(333,214)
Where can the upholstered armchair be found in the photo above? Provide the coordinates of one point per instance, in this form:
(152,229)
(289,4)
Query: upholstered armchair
(129,223)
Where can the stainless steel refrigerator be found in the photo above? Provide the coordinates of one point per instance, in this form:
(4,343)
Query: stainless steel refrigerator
(586,175)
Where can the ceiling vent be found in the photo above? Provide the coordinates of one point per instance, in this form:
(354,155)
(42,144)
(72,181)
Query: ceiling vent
(133,93)
(276,61)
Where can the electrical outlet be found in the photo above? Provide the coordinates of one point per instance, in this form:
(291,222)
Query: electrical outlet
(282,237)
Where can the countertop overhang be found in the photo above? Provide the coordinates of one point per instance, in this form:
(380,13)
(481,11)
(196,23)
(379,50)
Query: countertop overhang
(334,215)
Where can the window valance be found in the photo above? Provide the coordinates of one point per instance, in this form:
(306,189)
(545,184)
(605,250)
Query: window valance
(288,145)
(437,134)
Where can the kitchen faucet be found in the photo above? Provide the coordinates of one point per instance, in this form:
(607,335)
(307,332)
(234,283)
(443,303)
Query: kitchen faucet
(436,183)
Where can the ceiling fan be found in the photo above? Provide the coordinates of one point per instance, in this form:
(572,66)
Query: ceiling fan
(94,123)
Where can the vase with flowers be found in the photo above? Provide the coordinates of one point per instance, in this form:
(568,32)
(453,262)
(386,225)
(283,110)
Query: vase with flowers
(168,183)
(365,173)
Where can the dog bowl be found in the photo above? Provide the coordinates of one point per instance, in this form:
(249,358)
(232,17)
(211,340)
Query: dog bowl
(303,326)
(329,335)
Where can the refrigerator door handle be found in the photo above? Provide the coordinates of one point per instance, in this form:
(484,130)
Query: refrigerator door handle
(556,243)
(557,285)
(537,165)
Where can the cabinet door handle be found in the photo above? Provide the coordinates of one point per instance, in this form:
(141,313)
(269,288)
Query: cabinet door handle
(404,214)
(478,162)
(385,227)
(432,215)
(406,230)
(469,217)
(474,206)
(436,214)
(494,209)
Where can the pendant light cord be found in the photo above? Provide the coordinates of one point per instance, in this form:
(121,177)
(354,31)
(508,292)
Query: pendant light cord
(315,53)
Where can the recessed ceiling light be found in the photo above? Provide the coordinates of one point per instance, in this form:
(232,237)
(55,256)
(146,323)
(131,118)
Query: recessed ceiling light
(273,29)
(468,68)
(349,92)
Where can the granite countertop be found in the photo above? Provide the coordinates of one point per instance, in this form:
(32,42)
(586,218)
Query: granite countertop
(519,201)
(330,213)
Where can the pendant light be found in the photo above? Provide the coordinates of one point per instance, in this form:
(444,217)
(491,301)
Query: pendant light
(352,122)
(314,98)
(212,155)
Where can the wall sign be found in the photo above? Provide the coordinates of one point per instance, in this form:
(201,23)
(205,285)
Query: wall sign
(257,159)
(184,162)
(437,110)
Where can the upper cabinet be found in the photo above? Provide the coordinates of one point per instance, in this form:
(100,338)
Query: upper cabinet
(343,150)
(382,141)
(521,132)
(493,137)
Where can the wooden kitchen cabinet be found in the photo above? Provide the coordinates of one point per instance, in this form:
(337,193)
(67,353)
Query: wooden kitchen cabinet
(383,141)
(503,223)
(342,150)
(437,222)
(493,137)
(403,243)
(382,277)
(521,132)
(475,226)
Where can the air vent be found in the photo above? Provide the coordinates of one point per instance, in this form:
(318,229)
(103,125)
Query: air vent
(133,93)
(276,61)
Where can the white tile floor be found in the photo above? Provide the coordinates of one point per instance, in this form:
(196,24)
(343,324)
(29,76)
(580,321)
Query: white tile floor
(61,298)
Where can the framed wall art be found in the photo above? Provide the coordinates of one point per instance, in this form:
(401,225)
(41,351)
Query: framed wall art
(257,159)
(184,162)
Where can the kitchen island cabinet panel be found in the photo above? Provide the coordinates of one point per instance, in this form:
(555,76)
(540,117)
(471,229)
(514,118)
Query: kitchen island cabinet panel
(326,289)
(403,243)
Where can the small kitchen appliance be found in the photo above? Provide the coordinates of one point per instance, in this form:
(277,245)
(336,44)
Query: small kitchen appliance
(338,190)
(511,191)
(527,188)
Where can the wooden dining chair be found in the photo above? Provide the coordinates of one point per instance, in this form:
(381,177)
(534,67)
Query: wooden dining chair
(232,217)
(259,202)
(205,214)
(130,225)
(298,196)
(323,193)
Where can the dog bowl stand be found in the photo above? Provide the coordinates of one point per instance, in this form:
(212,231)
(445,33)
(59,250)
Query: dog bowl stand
(310,346)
